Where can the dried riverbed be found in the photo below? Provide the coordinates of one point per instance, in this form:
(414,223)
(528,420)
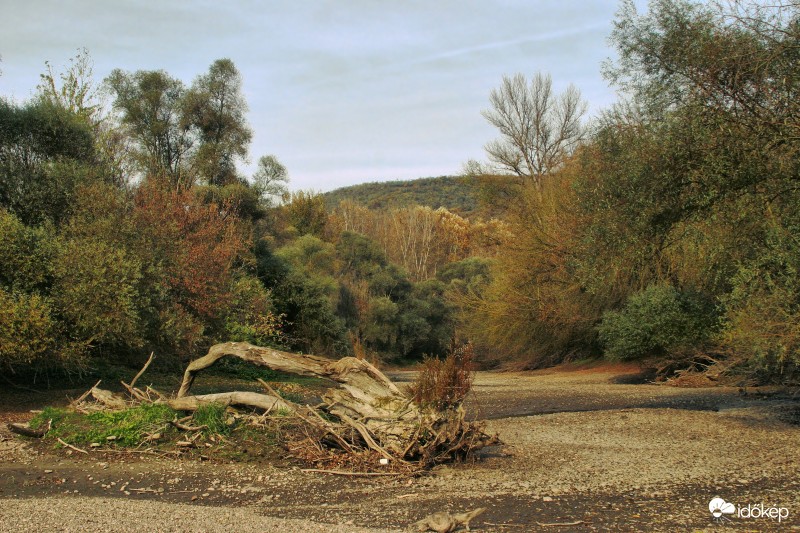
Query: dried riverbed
(586,449)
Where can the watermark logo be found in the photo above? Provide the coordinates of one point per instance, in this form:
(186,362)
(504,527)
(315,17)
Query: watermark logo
(719,508)
(722,510)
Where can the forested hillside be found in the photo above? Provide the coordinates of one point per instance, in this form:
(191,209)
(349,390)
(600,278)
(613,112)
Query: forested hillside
(455,193)
(664,229)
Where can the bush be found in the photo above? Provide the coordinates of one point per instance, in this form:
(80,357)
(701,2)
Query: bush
(657,321)
(97,292)
(26,254)
(762,320)
(27,330)
(251,317)
(211,415)
(128,427)
(443,384)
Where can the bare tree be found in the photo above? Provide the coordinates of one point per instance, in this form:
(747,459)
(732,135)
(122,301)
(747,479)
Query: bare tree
(537,128)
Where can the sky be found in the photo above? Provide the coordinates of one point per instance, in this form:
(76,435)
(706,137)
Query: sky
(341,92)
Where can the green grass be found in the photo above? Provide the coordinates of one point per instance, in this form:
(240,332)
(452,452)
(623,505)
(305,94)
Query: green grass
(128,427)
(212,415)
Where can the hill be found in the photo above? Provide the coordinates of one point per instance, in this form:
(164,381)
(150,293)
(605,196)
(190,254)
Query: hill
(457,194)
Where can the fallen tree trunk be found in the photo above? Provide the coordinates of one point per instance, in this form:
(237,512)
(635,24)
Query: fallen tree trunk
(247,399)
(383,417)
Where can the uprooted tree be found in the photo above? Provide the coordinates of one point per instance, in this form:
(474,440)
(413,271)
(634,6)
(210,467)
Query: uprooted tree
(366,410)
(363,411)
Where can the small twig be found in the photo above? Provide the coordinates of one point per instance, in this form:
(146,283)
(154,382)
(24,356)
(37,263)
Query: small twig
(149,451)
(560,524)
(71,447)
(329,429)
(362,429)
(135,393)
(184,427)
(344,473)
(151,390)
(268,388)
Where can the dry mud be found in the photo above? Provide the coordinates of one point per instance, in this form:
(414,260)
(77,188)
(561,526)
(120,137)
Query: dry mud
(585,450)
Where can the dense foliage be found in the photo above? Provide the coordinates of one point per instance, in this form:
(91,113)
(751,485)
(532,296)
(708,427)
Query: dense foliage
(666,228)
(671,229)
(456,194)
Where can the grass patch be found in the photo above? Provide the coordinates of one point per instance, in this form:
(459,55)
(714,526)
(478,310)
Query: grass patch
(212,415)
(128,427)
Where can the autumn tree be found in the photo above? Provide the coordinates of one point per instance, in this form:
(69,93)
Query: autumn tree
(306,213)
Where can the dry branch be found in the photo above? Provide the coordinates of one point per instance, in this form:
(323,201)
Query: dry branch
(71,447)
(354,474)
(147,364)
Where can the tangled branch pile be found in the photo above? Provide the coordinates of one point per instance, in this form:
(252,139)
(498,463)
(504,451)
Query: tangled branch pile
(366,410)
(365,414)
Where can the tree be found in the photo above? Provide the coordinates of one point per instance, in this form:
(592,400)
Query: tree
(270,180)
(216,107)
(45,150)
(151,103)
(77,92)
(537,128)
(307,213)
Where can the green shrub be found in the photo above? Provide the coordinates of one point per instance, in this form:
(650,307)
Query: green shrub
(657,321)
(251,316)
(96,291)
(762,320)
(27,330)
(26,254)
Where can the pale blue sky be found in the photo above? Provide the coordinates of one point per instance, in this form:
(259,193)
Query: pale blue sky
(341,92)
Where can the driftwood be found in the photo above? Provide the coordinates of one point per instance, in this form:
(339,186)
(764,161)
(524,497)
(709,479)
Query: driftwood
(247,399)
(361,411)
(108,398)
(445,522)
(383,417)
(28,431)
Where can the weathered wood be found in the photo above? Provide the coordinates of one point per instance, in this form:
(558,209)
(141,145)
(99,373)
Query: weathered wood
(302,365)
(248,399)
(27,431)
(108,398)
(385,419)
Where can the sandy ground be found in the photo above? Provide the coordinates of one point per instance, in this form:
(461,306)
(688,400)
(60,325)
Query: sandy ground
(584,450)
